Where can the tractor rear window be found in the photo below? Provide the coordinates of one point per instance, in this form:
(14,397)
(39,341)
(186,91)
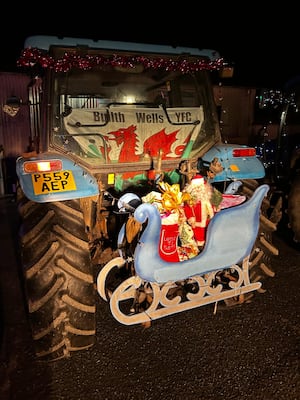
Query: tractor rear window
(125,115)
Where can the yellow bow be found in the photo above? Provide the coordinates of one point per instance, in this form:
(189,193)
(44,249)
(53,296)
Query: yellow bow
(172,197)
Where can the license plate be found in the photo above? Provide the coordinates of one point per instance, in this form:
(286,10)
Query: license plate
(53,182)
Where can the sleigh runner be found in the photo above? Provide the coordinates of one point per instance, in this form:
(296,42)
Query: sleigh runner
(158,288)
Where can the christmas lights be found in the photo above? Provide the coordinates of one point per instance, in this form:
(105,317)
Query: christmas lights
(33,56)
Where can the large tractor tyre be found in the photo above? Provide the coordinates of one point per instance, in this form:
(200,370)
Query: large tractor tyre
(263,251)
(58,277)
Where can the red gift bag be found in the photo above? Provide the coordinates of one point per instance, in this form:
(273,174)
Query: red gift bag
(168,249)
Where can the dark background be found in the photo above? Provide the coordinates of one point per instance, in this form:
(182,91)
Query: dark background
(261,42)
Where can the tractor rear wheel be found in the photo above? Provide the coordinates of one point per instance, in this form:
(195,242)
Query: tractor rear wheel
(58,277)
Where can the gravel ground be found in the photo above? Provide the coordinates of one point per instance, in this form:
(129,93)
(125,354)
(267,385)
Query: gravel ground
(247,352)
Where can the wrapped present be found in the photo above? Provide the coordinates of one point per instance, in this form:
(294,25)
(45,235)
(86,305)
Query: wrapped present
(188,247)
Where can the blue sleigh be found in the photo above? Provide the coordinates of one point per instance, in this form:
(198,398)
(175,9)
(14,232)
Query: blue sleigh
(230,238)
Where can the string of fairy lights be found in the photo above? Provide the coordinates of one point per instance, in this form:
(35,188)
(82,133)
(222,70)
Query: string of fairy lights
(32,56)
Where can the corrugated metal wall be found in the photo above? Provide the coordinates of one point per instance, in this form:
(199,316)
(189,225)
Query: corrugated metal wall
(14,130)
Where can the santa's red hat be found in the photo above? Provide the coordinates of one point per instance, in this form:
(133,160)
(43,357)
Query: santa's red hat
(197,180)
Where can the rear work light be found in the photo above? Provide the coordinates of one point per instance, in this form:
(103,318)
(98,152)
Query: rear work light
(31,167)
(244,152)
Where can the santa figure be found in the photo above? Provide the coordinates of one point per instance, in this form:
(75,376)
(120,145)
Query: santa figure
(199,210)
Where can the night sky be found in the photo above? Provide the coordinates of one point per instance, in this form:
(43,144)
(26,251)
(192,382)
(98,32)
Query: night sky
(263,45)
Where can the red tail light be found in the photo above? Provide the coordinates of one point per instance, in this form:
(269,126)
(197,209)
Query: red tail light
(244,152)
(42,166)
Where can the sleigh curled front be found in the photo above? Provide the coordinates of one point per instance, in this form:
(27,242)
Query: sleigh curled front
(159,288)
